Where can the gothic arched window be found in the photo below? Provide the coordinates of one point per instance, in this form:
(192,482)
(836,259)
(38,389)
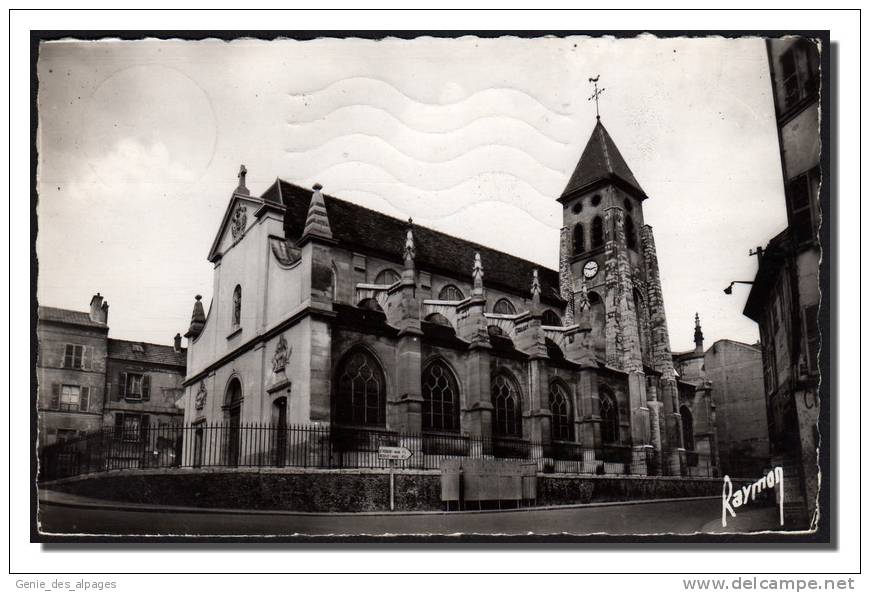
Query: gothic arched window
(579,238)
(450,293)
(507,403)
(550,317)
(237,305)
(387,276)
(688,428)
(609,416)
(504,307)
(597,232)
(361,394)
(630,234)
(440,398)
(561,422)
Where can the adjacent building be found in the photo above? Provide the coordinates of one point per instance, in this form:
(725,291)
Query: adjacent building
(88,381)
(324,312)
(732,372)
(71,370)
(784,299)
(143,383)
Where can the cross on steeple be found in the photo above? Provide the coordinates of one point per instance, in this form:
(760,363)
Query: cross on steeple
(596,94)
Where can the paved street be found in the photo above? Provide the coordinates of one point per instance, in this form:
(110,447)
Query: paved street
(66,514)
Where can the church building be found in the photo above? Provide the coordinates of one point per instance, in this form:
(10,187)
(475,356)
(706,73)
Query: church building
(327,313)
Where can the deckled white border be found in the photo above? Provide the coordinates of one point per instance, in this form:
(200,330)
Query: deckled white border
(32,557)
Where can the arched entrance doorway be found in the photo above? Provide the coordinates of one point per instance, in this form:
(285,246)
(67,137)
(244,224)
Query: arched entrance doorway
(279,428)
(233,421)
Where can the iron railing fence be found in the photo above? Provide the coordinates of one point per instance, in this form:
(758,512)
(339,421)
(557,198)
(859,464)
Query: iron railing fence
(336,447)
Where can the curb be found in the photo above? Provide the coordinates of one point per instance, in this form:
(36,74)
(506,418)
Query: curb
(90,503)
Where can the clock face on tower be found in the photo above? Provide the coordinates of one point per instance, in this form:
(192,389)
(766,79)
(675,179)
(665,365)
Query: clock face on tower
(590,269)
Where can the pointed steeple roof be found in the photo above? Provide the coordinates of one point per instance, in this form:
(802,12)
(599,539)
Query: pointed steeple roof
(600,162)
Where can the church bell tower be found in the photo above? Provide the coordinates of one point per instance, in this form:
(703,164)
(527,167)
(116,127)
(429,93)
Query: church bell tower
(608,274)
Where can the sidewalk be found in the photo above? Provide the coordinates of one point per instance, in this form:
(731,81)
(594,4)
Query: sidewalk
(64,514)
(52,497)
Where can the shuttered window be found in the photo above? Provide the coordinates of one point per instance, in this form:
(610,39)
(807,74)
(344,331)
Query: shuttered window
(801,193)
(811,338)
(70,398)
(84,401)
(73,356)
(799,67)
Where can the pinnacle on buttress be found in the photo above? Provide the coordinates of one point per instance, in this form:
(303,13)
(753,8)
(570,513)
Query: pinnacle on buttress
(699,336)
(477,276)
(410,251)
(242,188)
(317,221)
(536,289)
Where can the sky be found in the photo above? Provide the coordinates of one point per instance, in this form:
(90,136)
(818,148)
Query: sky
(140,143)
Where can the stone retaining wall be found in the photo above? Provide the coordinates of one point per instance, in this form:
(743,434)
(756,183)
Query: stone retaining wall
(349,490)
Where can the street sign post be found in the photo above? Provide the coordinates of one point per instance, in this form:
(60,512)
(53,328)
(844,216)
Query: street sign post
(393,454)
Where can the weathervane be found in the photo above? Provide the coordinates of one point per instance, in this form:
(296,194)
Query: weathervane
(596,94)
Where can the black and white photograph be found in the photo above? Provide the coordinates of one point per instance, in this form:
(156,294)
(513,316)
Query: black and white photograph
(415,285)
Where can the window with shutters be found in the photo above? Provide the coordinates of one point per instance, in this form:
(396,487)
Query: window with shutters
(811,338)
(134,386)
(73,356)
(70,398)
(801,194)
(799,75)
(771,380)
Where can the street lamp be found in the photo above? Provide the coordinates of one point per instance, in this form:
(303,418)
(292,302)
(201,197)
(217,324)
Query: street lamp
(729,289)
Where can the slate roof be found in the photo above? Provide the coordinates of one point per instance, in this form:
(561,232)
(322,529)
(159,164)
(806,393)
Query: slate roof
(368,231)
(151,353)
(68,316)
(601,161)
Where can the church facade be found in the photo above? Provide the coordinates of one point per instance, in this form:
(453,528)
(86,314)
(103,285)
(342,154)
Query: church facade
(330,314)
